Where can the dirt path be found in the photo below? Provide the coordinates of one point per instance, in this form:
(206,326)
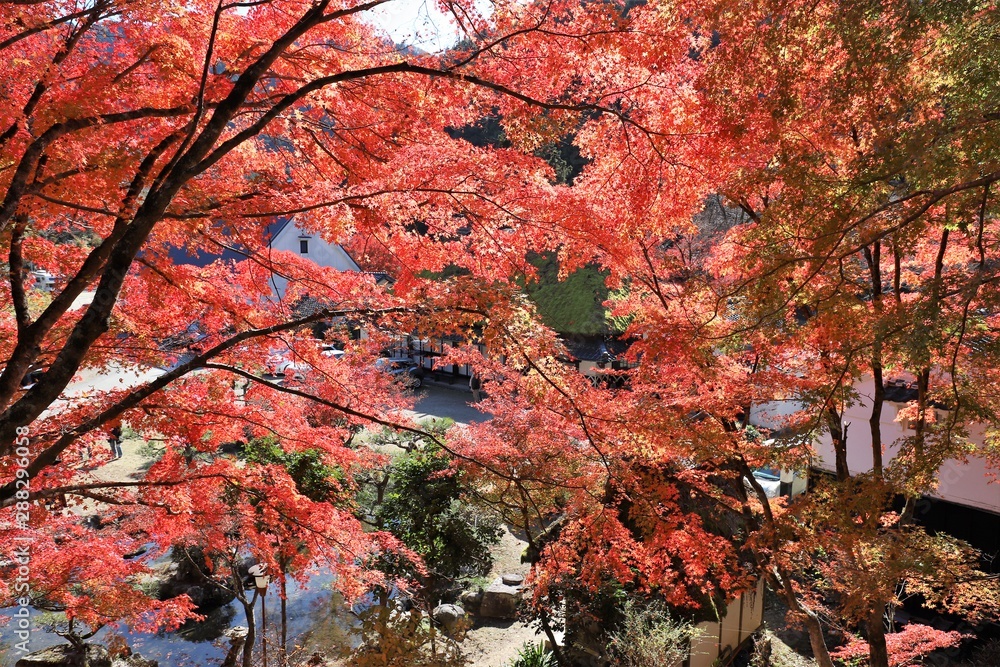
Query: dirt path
(131,466)
(493,643)
(789,645)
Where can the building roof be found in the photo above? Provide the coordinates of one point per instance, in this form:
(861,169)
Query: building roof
(236,252)
(901,391)
(595,348)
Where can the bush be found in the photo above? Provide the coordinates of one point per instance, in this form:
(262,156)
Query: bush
(905,647)
(533,655)
(987,655)
(313,477)
(649,637)
(427,506)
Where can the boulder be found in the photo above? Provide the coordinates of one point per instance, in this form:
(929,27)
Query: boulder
(67,655)
(452,618)
(471,599)
(500,600)
(448,614)
(512,579)
(172,578)
(197,593)
(134,660)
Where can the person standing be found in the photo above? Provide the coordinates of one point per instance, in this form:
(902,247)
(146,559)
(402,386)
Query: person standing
(115,440)
(475,384)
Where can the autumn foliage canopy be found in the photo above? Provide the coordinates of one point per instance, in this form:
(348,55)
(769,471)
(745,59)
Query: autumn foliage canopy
(784,196)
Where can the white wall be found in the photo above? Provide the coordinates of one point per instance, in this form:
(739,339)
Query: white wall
(321,252)
(970,483)
(743,617)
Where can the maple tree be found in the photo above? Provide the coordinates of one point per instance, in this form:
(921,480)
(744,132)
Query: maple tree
(868,256)
(863,228)
(853,153)
(910,644)
(134,129)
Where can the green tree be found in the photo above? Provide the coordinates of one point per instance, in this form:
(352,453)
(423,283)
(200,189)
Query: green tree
(428,507)
(314,478)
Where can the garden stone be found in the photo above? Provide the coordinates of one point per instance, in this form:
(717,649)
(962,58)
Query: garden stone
(134,660)
(471,599)
(169,581)
(67,655)
(451,617)
(500,600)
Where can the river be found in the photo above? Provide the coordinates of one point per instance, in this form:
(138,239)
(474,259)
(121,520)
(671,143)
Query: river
(317,617)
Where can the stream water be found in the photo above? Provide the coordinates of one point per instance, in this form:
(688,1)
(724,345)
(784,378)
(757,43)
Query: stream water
(317,619)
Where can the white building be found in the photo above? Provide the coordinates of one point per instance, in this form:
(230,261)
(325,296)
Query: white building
(288,237)
(718,642)
(969,483)
(283,235)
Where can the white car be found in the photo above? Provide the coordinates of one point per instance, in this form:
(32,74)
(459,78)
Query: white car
(330,352)
(402,369)
(769,480)
(281,362)
(44,281)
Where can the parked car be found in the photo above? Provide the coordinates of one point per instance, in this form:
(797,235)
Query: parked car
(403,369)
(769,480)
(776,482)
(283,364)
(331,351)
(44,281)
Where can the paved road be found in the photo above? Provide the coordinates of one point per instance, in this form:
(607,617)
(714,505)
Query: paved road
(436,399)
(90,380)
(443,401)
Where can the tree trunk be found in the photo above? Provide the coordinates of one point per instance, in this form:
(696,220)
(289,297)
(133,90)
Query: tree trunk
(838,434)
(878,400)
(284,623)
(878,652)
(919,438)
(782,585)
(821,654)
(543,616)
(780,582)
(873,256)
(557,653)
(251,634)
